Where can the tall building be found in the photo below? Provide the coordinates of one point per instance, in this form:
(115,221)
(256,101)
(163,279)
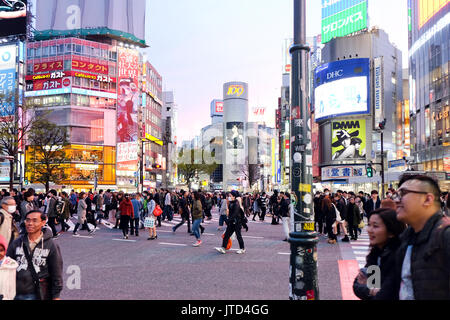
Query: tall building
(170,119)
(74,83)
(85,73)
(429,65)
(153,128)
(357,87)
(235,133)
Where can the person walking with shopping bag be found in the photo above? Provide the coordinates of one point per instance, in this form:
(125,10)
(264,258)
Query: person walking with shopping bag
(150,219)
(234,224)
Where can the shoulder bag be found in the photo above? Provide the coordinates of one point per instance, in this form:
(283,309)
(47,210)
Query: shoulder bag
(41,285)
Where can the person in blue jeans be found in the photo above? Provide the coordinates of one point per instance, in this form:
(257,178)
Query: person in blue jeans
(134,220)
(197,216)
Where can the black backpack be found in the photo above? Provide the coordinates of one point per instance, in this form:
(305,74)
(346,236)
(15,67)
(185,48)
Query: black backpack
(2,218)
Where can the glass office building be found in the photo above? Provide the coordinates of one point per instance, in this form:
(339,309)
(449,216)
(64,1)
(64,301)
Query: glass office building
(429,52)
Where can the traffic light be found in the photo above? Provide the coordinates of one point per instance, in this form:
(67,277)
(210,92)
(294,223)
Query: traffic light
(369,170)
(156,166)
(382,124)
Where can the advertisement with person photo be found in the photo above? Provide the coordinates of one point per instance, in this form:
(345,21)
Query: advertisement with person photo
(349,139)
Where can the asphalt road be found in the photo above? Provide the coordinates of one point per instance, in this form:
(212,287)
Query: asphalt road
(170,268)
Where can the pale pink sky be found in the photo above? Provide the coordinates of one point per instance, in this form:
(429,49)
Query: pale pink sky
(198,45)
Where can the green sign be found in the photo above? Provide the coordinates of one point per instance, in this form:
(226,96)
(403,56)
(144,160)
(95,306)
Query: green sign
(345,22)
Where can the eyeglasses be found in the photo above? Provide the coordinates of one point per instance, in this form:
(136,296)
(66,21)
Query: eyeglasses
(33,221)
(403,192)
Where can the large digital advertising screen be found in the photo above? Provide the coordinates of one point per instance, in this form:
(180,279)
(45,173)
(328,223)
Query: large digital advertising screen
(128,96)
(121,18)
(13,17)
(342,17)
(342,88)
(8,57)
(235,135)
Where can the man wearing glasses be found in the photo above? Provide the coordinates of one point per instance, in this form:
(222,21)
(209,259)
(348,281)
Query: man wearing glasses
(39,274)
(423,259)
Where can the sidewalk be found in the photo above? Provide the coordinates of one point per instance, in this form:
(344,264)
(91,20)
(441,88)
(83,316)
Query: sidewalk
(338,266)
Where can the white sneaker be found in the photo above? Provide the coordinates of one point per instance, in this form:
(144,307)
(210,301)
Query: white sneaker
(221,250)
(240,251)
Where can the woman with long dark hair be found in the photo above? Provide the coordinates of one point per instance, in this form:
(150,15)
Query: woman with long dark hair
(384,230)
(329,213)
(234,224)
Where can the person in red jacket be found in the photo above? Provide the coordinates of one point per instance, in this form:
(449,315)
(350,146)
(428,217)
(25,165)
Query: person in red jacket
(126,211)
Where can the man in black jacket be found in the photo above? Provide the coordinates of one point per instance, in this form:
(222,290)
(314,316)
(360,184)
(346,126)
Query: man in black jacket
(51,211)
(373,203)
(423,258)
(45,257)
(284,213)
(185,212)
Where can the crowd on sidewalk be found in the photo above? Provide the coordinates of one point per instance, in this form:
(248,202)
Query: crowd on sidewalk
(29,221)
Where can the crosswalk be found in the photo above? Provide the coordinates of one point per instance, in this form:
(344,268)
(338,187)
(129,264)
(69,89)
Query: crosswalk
(361,248)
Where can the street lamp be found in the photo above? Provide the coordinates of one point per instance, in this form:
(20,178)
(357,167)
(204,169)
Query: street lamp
(303,282)
(381,127)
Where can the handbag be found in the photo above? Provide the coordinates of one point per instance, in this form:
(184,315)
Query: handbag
(361,225)
(338,214)
(149,222)
(158,211)
(41,285)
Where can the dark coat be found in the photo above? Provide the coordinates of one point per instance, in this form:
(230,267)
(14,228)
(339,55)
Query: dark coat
(430,259)
(385,259)
(368,206)
(48,258)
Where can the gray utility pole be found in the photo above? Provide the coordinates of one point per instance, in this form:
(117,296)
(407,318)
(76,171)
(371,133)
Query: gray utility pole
(303,283)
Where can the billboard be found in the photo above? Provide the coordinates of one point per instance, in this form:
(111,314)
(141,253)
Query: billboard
(217,108)
(118,18)
(378,88)
(235,135)
(342,88)
(428,8)
(342,17)
(8,57)
(348,139)
(13,17)
(127,156)
(128,95)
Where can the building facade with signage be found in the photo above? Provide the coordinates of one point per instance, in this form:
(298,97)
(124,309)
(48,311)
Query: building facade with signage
(358,85)
(74,83)
(429,66)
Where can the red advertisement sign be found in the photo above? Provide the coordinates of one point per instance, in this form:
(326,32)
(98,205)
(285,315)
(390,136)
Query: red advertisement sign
(315,145)
(287,144)
(48,66)
(50,84)
(219,107)
(128,95)
(89,66)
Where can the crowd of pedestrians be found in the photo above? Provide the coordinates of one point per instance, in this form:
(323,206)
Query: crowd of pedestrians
(408,231)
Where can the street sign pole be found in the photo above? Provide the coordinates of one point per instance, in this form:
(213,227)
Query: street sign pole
(303,283)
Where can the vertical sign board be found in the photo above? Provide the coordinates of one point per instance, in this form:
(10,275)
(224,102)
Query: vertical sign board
(128,95)
(273,158)
(342,17)
(8,58)
(378,89)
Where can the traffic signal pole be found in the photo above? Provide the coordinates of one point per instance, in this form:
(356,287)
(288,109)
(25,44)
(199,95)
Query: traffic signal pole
(303,282)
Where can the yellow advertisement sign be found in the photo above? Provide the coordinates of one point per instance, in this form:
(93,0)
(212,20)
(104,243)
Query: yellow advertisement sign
(235,89)
(349,139)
